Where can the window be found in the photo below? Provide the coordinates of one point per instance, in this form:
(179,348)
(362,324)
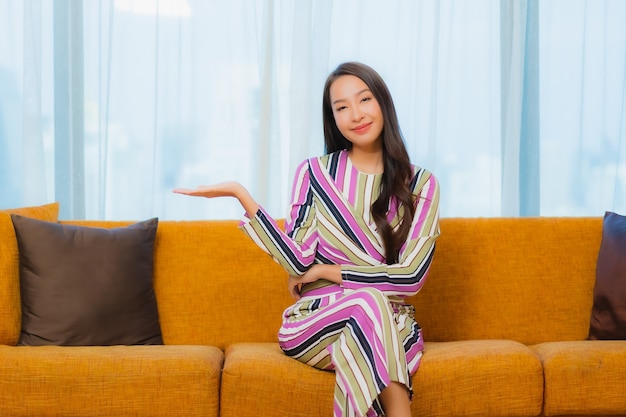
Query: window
(516,106)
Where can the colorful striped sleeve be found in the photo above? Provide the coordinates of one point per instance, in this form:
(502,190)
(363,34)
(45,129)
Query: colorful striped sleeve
(295,248)
(407,276)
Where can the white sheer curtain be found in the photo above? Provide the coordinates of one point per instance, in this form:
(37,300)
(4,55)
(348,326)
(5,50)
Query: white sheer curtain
(516,105)
(583,113)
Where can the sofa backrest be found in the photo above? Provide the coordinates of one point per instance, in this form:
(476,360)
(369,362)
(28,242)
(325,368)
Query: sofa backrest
(524,279)
(213,285)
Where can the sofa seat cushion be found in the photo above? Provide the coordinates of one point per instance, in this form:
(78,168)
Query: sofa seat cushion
(478,378)
(468,378)
(259,379)
(582,377)
(110,381)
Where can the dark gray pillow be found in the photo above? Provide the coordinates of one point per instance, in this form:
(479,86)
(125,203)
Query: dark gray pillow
(608,315)
(87,286)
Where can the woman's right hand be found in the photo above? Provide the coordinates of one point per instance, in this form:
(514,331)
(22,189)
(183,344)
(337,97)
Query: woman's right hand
(224,189)
(318,271)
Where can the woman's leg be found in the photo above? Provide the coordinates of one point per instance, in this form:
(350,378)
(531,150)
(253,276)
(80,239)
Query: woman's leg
(359,337)
(395,400)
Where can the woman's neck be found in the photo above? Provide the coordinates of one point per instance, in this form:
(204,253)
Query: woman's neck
(366,161)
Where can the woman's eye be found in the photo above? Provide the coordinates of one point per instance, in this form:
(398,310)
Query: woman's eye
(366,99)
(340,108)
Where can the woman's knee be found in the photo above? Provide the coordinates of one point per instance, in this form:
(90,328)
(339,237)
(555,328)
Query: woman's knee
(372,294)
(369,302)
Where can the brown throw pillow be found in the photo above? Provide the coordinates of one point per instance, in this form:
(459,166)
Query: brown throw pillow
(87,286)
(608,315)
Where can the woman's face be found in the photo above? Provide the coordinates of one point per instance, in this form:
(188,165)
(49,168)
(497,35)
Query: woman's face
(357,113)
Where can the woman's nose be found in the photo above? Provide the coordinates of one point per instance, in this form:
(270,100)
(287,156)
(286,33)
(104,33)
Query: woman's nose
(357,114)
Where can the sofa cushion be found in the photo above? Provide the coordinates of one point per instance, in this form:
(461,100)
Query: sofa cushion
(608,314)
(479,378)
(9,268)
(259,376)
(584,377)
(85,285)
(96,381)
(528,279)
(204,269)
(468,378)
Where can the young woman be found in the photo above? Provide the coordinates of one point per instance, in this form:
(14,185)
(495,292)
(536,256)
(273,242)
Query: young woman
(359,237)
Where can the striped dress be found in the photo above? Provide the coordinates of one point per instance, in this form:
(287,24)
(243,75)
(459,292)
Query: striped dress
(362,329)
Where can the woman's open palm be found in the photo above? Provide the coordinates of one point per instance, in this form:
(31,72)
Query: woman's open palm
(223,189)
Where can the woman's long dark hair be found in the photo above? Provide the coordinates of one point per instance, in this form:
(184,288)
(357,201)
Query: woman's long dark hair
(397,166)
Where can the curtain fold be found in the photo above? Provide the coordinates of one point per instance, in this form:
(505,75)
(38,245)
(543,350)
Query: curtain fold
(520,95)
(582,72)
(268,100)
(69,121)
(517,106)
(32,156)
(308,67)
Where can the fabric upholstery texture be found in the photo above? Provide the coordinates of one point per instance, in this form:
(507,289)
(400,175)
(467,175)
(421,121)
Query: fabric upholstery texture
(304,391)
(83,286)
(505,375)
(529,280)
(95,381)
(608,314)
(202,286)
(584,377)
(236,293)
(10,310)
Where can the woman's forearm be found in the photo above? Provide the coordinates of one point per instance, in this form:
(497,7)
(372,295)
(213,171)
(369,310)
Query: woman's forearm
(328,272)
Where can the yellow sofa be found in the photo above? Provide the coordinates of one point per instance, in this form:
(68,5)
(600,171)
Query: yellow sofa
(505,313)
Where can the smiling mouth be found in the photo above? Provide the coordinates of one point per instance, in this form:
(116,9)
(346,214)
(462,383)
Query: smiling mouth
(362,128)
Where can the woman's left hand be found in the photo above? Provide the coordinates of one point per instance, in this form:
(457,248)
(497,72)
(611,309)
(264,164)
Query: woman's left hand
(224,189)
(316,272)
